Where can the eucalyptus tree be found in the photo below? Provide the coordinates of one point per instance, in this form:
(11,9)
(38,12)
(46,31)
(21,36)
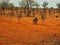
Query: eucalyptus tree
(0,10)
(4,4)
(58,6)
(43,15)
(35,4)
(10,7)
(45,4)
(28,4)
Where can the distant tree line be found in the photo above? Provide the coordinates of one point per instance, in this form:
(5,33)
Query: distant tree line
(26,5)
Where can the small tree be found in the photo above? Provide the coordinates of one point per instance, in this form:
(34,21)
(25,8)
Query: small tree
(10,6)
(0,10)
(58,5)
(52,8)
(4,4)
(43,14)
(44,4)
(28,4)
(37,5)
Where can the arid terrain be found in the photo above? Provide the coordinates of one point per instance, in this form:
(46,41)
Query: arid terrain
(27,33)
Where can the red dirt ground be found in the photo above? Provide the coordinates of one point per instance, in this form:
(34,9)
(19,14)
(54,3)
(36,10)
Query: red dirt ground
(26,33)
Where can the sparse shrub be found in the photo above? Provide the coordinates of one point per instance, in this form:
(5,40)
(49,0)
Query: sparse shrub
(35,20)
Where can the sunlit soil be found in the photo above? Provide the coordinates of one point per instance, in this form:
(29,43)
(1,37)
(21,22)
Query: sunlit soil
(27,33)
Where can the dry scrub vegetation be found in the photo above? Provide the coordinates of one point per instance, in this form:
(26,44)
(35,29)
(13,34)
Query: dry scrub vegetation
(26,33)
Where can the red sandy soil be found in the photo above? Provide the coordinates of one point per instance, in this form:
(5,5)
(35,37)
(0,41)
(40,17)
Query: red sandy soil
(26,33)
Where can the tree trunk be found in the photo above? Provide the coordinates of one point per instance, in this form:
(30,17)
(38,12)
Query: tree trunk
(37,9)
